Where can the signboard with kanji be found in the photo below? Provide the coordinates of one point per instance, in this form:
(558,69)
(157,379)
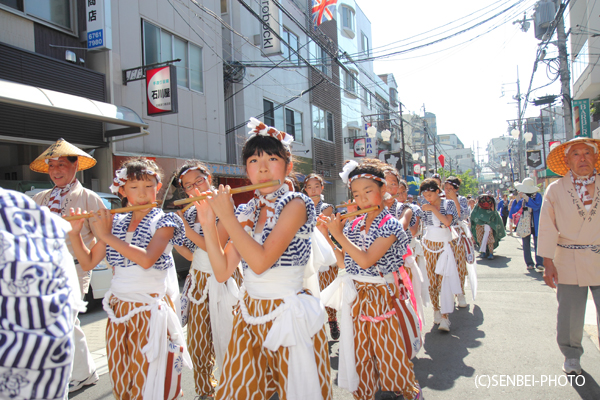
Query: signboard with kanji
(98,22)
(161,84)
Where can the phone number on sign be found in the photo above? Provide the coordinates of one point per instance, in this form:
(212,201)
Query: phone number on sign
(488,381)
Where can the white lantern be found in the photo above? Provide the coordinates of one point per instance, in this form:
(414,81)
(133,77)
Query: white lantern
(528,136)
(372,131)
(515,133)
(423,158)
(501,175)
(503,163)
(416,156)
(385,135)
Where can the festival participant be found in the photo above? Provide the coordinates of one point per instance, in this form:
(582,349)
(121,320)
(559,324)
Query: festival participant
(39,298)
(463,245)
(278,342)
(61,162)
(209,303)
(487,227)
(143,330)
(444,281)
(313,187)
(373,353)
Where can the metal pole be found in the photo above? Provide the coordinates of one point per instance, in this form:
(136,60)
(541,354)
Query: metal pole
(425,151)
(543,139)
(521,150)
(403,147)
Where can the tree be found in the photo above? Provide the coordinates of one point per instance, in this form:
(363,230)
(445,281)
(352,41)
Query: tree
(469,185)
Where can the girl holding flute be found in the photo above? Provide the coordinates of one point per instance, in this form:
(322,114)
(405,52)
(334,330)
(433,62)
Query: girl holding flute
(143,333)
(209,303)
(278,342)
(372,351)
(313,187)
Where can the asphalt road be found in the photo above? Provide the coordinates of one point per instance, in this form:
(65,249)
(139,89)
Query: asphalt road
(502,346)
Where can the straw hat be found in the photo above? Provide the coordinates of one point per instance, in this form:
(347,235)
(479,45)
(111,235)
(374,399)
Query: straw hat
(556,158)
(527,186)
(62,148)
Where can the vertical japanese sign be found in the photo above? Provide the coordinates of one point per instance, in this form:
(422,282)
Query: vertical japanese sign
(370,147)
(161,84)
(99,27)
(269,13)
(581,115)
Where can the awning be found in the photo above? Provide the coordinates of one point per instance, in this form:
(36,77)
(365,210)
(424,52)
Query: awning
(62,103)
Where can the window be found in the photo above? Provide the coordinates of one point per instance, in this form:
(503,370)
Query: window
(57,12)
(353,133)
(284,119)
(393,96)
(160,46)
(292,39)
(347,18)
(365,45)
(322,124)
(224,6)
(350,81)
(319,58)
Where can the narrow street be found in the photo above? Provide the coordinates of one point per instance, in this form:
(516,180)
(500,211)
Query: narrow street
(502,346)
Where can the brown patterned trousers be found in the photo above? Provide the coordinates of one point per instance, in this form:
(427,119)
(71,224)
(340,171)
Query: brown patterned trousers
(326,278)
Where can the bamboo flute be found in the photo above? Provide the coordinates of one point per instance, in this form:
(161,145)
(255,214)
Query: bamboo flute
(114,211)
(355,213)
(241,189)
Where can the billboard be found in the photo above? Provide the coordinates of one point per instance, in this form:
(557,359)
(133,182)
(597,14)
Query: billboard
(359,147)
(98,23)
(161,93)
(269,13)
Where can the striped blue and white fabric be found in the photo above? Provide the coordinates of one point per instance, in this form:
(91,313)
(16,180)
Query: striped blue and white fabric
(154,220)
(299,250)
(38,284)
(446,208)
(322,206)
(464,208)
(392,259)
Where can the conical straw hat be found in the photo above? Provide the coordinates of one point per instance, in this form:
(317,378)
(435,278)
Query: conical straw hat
(556,158)
(62,148)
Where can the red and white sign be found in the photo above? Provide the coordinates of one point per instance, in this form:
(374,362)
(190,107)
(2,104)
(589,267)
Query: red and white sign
(161,85)
(554,145)
(417,169)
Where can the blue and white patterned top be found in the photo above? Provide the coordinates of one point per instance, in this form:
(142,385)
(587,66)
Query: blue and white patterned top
(143,234)
(322,206)
(298,252)
(36,300)
(392,259)
(190,216)
(446,208)
(464,208)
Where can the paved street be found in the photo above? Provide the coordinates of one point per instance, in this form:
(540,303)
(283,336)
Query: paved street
(505,340)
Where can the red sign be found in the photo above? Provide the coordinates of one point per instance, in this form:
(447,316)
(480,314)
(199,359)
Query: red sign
(161,90)
(417,169)
(360,147)
(554,144)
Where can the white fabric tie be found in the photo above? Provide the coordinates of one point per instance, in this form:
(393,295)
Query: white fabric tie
(342,294)
(446,266)
(486,235)
(295,323)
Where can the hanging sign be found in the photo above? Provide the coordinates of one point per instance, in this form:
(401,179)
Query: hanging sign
(359,147)
(554,145)
(394,159)
(370,147)
(581,115)
(161,84)
(99,27)
(417,169)
(269,13)
(534,158)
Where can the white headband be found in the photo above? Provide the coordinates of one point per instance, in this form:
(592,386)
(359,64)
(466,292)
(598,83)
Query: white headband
(202,171)
(121,178)
(259,128)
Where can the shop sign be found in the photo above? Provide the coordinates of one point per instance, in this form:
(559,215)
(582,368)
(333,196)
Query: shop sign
(98,23)
(161,84)
(269,13)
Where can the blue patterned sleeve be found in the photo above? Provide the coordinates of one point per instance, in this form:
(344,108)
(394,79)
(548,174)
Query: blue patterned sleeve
(451,210)
(394,227)
(464,207)
(311,212)
(172,220)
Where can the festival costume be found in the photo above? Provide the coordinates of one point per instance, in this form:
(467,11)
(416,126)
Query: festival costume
(39,298)
(209,309)
(327,274)
(372,350)
(487,226)
(444,281)
(278,341)
(463,245)
(144,340)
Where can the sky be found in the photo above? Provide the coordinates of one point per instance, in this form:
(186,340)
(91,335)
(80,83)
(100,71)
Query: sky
(469,86)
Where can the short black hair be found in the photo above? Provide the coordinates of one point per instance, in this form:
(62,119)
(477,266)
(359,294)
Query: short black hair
(260,144)
(454,180)
(370,166)
(429,185)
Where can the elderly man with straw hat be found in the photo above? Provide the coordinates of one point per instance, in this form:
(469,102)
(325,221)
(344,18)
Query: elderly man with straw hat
(62,161)
(569,240)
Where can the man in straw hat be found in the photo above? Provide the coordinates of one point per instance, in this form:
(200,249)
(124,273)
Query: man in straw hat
(62,161)
(569,240)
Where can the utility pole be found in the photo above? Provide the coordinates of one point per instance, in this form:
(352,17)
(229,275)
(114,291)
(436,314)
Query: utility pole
(426,145)
(565,78)
(521,143)
(543,139)
(403,148)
